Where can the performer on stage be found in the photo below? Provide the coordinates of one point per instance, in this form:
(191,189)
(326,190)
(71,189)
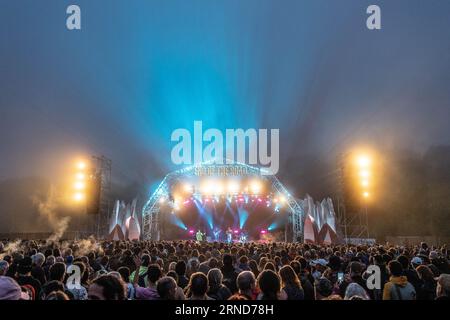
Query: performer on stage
(216,233)
(229,235)
(199,235)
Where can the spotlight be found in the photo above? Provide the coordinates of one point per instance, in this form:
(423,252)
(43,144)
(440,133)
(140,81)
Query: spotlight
(207,188)
(366,194)
(81,165)
(188,188)
(79,185)
(255,187)
(162,200)
(363,161)
(218,188)
(282,199)
(233,187)
(364,173)
(78,196)
(191,231)
(263,231)
(80,176)
(365,183)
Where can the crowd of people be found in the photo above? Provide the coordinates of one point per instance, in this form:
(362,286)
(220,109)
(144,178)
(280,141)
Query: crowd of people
(192,270)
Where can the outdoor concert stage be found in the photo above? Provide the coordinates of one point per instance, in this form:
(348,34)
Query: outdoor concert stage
(217,199)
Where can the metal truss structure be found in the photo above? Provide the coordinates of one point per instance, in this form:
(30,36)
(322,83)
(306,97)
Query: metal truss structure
(151,212)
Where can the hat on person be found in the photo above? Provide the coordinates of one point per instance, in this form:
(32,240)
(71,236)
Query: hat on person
(416,261)
(321,262)
(9,289)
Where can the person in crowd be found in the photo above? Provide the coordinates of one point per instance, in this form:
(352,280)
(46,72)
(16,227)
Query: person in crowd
(37,271)
(355,275)
(355,291)
(290,284)
(198,287)
(301,268)
(246,284)
(142,281)
(125,275)
(149,292)
(217,290)
(230,273)
(411,274)
(167,288)
(4,265)
(427,288)
(323,289)
(10,289)
(270,285)
(107,287)
(42,270)
(57,295)
(24,277)
(179,295)
(180,269)
(253,267)
(398,287)
(443,287)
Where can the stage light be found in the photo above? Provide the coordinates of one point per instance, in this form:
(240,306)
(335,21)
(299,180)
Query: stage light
(233,187)
(207,188)
(81,165)
(366,194)
(78,196)
(365,183)
(236,231)
(282,199)
(80,176)
(259,200)
(162,200)
(363,161)
(191,231)
(263,231)
(364,173)
(218,188)
(188,188)
(255,187)
(79,185)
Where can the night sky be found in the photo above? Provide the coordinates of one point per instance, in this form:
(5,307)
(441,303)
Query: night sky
(140,69)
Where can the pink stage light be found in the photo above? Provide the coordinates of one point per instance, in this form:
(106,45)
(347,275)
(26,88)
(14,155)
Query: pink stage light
(191,231)
(259,200)
(236,231)
(263,231)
